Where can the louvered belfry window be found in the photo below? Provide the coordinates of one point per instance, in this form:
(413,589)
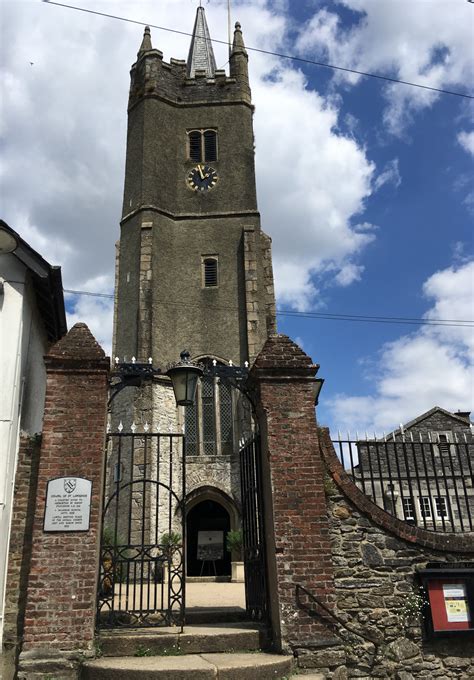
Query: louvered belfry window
(210,272)
(202,146)
(210,145)
(195,146)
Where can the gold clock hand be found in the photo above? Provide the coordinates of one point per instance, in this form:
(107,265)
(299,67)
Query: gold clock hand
(201,172)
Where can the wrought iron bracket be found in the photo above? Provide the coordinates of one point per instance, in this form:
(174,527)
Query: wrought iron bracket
(134,374)
(235,376)
(130,375)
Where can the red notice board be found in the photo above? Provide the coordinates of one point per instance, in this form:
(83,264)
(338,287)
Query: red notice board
(449,604)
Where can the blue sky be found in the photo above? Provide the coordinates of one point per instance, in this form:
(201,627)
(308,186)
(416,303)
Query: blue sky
(376,218)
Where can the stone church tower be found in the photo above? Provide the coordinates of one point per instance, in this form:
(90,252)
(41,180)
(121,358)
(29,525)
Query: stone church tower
(194,268)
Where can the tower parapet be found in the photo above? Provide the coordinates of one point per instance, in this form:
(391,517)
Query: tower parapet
(182,83)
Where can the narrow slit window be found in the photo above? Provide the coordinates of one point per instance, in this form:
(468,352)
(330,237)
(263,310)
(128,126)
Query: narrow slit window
(210,272)
(226,418)
(208,416)
(191,429)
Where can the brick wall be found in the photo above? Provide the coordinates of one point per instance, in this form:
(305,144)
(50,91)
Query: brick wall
(283,376)
(20,538)
(61,596)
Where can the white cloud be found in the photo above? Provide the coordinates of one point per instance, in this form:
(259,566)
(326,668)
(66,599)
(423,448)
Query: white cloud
(431,367)
(427,43)
(325,177)
(466,140)
(389,175)
(53,250)
(65,121)
(97,313)
(349,274)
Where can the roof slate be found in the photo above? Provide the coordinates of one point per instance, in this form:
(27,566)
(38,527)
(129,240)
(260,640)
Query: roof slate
(201,53)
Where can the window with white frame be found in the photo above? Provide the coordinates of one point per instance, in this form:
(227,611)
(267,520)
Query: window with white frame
(441,507)
(425,507)
(408,508)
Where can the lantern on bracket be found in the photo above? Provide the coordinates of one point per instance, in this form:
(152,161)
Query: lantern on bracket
(184,376)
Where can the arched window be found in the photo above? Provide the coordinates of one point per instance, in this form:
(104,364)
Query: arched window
(210,272)
(202,145)
(209,423)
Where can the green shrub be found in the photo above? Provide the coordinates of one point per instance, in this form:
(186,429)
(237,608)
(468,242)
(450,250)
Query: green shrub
(235,542)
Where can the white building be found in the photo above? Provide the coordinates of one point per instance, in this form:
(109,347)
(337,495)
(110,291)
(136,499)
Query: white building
(32,317)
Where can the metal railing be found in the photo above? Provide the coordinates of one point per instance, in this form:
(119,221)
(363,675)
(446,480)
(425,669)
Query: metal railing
(418,478)
(141,569)
(253,529)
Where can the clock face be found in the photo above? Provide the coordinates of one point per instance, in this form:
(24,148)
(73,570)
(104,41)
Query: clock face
(202,178)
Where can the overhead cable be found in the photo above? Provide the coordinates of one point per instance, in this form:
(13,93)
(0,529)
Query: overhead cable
(462,323)
(269,52)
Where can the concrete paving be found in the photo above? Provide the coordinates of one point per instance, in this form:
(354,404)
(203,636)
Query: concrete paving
(215,595)
(207,594)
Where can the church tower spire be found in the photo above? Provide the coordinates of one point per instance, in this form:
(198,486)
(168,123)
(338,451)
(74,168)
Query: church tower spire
(201,54)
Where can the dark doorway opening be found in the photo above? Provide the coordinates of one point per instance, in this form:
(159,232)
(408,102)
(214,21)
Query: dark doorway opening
(203,517)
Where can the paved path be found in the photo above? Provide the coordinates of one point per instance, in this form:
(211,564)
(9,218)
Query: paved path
(215,595)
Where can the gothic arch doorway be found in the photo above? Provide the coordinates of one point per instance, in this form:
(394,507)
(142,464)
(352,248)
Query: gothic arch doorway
(207,513)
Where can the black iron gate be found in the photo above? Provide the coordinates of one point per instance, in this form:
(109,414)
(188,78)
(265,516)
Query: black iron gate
(253,529)
(142,553)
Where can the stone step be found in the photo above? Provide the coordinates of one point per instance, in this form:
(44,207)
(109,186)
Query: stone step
(193,640)
(237,666)
(205,615)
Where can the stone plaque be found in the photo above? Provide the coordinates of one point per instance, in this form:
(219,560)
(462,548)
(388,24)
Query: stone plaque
(68,504)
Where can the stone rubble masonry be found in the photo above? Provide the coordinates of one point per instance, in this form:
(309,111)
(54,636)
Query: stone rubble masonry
(61,596)
(146,293)
(283,376)
(375,558)
(258,255)
(269,284)
(153,77)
